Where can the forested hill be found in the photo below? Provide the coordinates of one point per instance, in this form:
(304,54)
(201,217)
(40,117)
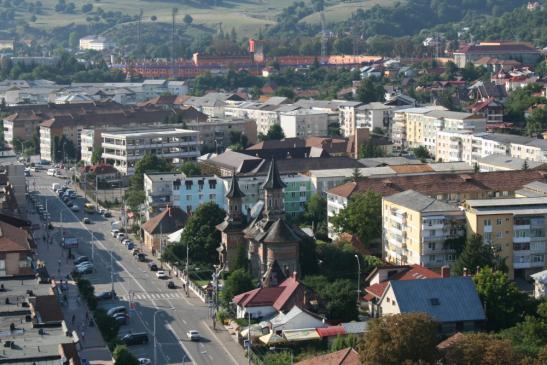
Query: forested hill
(411,17)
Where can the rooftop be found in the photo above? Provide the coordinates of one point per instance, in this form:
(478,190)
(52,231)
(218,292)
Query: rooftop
(347,356)
(419,202)
(159,132)
(504,161)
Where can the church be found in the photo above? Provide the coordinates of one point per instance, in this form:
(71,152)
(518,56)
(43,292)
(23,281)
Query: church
(272,244)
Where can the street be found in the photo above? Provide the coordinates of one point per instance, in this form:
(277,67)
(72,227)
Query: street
(176,313)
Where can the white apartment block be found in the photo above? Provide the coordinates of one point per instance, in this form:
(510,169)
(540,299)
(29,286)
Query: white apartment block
(88,143)
(535,150)
(304,123)
(95,43)
(124,149)
(374,115)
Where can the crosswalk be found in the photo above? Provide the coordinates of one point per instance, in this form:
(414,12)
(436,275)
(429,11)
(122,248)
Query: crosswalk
(155,296)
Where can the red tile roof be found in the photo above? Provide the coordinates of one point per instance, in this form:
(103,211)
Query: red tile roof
(276,297)
(331,331)
(290,286)
(13,239)
(416,272)
(346,356)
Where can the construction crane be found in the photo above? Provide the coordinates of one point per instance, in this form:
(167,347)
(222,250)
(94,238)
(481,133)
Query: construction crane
(173,15)
(324,38)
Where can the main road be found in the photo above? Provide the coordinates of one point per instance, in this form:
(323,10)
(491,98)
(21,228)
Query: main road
(174,312)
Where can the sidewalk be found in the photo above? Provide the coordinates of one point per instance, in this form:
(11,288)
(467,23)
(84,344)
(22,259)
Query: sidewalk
(92,346)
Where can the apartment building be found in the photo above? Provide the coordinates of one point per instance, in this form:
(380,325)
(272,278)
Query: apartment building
(415,229)
(514,228)
(90,140)
(375,115)
(213,104)
(124,149)
(95,43)
(518,51)
(446,187)
(216,132)
(534,150)
(304,123)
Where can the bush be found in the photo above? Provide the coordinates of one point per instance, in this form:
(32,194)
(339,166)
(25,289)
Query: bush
(122,356)
(108,327)
(222,315)
(87,291)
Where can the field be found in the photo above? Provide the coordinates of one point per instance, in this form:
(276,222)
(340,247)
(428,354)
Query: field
(246,16)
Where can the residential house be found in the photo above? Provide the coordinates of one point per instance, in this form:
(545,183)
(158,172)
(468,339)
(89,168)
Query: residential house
(296,318)
(453,302)
(514,228)
(95,43)
(217,132)
(489,108)
(347,356)
(156,230)
(16,251)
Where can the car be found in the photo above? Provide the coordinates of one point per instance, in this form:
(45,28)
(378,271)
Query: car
(193,335)
(69,204)
(136,251)
(130,245)
(114,232)
(141,257)
(107,215)
(101,211)
(121,236)
(106,295)
(85,270)
(126,241)
(144,361)
(75,208)
(171,285)
(86,220)
(139,338)
(116,310)
(78,260)
(84,266)
(121,319)
(153,266)
(161,274)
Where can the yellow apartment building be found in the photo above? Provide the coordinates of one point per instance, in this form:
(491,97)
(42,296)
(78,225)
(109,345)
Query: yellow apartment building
(514,228)
(416,229)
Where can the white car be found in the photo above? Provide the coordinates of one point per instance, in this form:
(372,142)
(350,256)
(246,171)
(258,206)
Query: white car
(114,232)
(75,208)
(193,335)
(121,236)
(84,265)
(161,274)
(144,361)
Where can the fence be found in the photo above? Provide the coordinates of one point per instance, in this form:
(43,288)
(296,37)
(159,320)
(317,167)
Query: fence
(199,292)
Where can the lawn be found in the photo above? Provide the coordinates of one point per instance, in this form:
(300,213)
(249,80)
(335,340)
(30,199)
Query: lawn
(343,11)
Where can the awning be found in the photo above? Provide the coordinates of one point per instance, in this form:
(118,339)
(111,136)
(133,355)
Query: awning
(271,339)
(256,331)
(301,334)
(331,331)
(175,236)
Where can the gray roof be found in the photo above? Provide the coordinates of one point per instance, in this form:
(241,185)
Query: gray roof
(456,296)
(533,189)
(387,161)
(540,143)
(450,114)
(419,202)
(503,161)
(506,138)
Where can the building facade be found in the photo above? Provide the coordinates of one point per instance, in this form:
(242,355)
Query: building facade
(304,123)
(95,43)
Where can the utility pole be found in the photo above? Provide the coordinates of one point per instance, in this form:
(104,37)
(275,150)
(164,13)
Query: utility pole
(92,247)
(111,269)
(358,278)
(249,340)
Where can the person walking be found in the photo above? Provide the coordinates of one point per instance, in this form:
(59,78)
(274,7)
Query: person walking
(73,318)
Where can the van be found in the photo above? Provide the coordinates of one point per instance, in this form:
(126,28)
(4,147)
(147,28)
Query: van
(116,310)
(55,186)
(135,339)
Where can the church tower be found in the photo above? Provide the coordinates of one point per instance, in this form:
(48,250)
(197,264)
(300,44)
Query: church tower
(235,198)
(273,194)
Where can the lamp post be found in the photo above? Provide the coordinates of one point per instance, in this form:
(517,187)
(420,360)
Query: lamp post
(155,342)
(284,349)
(187,272)
(358,278)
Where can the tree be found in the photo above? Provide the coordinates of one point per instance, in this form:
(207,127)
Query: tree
(277,358)
(475,254)
(339,296)
(370,90)
(153,18)
(369,150)
(480,348)
(504,303)
(190,168)
(275,132)
(148,163)
(96,156)
(356,175)
(315,210)
(122,356)
(241,261)
(525,165)
(421,153)
(200,233)
(362,217)
(537,121)
(239,281)
(188,19)
(343,342)
(530,336)
(396,339)
(86,8)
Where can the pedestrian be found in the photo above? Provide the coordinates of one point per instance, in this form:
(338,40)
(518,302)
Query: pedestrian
(83,336)
(73,319)
(59,262)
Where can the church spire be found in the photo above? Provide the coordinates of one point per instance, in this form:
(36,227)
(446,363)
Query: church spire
(234,192)
(273,180)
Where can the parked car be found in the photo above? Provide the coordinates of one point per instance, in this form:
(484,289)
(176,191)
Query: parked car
(106,295)
(161,274)
(107,215)
(75,208)
(86,220)
(141,257)
(153,266)
(78,260)
(130,245)
(193,335)
(135,339)
(121,319)
(70,204)
(114,232)
(144,361)
(116,310)
(171,285)
(121,236)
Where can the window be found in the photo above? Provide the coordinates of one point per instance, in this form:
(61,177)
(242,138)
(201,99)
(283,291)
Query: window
(498,221)
(487,222)
(431,258)
(212,197)
(189,197)
(499,234)
(434,301)
(432,246)
(487,236)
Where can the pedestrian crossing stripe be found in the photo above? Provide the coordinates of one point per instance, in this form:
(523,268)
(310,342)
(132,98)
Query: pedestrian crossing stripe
(154,296)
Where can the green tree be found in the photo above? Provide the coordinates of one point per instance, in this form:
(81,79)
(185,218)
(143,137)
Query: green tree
(369,150)
(122,356)
(275,132)
(339,296)
(356,175)
(96,156)
(370,90)
(134,198)
(190,168)
(342,342)
(239,281)
(504,303)
(400,338)
(475,254)
(362,217)
(536,122)
(277,358)
(480,348)
(200,233)
(286,92)
(241,262)
(188,19)
(421,153)
(148,163)
(315,210)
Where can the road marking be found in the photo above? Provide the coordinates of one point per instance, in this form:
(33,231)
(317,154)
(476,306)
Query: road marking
(98,242)
(221,344)
(184,321)
(210,357)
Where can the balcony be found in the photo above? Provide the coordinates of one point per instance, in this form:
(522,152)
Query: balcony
(529,261)
(427,226)
(399,218)
(521,239)
(521,227)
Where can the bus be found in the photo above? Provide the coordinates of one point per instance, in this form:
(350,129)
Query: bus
(89,208)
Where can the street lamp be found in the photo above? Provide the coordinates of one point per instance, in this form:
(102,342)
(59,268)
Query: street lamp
(284,349)
(358,278)
(155,342)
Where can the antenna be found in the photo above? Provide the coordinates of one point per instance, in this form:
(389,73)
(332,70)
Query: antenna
(173,14)
(324,39)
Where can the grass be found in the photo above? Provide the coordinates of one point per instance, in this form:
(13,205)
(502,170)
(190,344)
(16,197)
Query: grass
(342,11)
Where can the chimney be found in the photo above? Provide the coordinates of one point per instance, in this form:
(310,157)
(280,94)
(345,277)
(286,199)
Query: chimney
(465,271)
(295,276)
(445,272)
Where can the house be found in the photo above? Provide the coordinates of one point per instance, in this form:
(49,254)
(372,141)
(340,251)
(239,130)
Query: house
(520,51)
(347,356)
(16,251)
(453,302)
(156,230)
(267,301)
(540,284)
(102,172)
(489,108)
(46,310)
(380,277)
(296,318)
